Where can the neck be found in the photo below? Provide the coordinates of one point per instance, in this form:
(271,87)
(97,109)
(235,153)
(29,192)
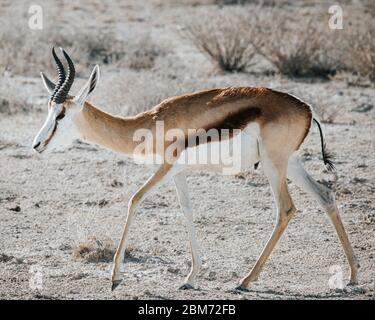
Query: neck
(113,132)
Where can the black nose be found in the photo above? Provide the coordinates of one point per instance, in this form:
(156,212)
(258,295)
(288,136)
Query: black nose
(36,145)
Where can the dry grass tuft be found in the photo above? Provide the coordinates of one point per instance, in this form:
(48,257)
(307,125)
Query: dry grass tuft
(94,250)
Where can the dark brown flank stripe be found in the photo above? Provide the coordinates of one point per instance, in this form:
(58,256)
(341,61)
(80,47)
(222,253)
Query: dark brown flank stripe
(236,120)
(239,120)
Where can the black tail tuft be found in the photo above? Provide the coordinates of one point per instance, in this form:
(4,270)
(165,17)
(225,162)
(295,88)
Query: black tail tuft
(327,157)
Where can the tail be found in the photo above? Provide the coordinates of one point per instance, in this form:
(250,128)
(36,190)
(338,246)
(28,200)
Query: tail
(327,157)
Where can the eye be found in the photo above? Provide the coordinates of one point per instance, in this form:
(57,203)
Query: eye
(60,116)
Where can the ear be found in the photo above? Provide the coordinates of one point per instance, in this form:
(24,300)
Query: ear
(48,84)
(89,87)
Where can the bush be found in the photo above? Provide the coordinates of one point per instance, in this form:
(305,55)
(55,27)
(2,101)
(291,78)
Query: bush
(360,49)
(142,53)
(12,98)
(302,49)
(28,52)
(226,39)
(245,2)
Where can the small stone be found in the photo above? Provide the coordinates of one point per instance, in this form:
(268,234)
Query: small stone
(238,228)
(5,258)
(364,107)
(173,270)
(15,208)
(103,203)
(115,183)
(212,275)
(65,247)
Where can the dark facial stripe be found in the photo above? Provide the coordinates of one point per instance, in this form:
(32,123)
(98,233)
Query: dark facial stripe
(60,116)
(51,135)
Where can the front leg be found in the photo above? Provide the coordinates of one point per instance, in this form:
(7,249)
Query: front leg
(160,176)
(183,196)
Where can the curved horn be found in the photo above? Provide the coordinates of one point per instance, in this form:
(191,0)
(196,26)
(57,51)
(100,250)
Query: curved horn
(63,91)
(61,73)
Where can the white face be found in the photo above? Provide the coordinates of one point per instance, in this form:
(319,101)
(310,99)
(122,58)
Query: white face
(59,129)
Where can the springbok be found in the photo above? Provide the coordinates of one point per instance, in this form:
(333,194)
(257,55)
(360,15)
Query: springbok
(273,125)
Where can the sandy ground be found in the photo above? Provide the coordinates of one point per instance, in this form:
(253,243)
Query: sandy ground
(50,203)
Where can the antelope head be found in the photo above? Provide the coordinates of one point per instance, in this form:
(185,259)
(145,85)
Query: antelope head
(59,128)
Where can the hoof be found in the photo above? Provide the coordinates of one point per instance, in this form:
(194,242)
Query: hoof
(242,288)
(238,290)
(353,282)
(186,286)
(115,284)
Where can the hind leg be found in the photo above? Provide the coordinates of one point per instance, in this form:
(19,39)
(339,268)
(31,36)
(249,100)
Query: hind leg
(285,210)
(326,198)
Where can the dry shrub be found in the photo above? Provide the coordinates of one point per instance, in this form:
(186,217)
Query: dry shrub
(142,53)
(94,250)
(220,3)
(352,78)
(357,43)
(225,38)
(28,51)
(12,99)
(246,2)
(360,49)
(296,47)
(302,48)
